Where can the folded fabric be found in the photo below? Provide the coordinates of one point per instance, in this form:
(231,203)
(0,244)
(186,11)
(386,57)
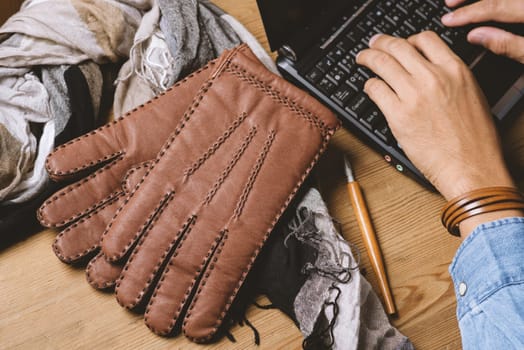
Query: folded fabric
(37,45)
(174,39)
(308,271)
(82,86)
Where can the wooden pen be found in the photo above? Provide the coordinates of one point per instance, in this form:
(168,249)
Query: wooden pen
(369,237)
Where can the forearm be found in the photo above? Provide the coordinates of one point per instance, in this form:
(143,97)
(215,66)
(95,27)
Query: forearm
(488,274)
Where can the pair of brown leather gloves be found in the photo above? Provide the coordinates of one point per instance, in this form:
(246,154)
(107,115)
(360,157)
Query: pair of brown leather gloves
(173,202)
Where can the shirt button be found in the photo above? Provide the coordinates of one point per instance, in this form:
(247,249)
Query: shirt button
(462,288)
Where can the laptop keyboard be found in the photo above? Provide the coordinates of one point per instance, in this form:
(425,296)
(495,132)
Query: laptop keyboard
(339,77)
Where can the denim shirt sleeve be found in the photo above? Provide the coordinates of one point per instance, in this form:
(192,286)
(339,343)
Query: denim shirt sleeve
(488,274)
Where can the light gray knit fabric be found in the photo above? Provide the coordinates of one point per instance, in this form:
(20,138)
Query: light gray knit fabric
(54,83)
(54,34)
(174,39)
(360,322)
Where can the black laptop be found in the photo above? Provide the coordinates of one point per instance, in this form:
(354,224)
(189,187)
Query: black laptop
(317,41)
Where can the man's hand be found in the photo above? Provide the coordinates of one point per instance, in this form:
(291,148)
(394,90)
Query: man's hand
(436,111)
(497,40)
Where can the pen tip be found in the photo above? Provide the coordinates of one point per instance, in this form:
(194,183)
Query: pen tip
(348,169)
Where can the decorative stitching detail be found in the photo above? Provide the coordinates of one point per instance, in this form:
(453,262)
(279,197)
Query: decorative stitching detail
(254,173)
(125,181)
(226,307)
(72,258)
(92,163)
(313,119)
(72,188)
(215,146)
(231,164)
(185,229)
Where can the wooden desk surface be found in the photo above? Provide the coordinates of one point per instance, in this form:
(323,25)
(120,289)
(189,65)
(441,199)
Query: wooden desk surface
(48,305)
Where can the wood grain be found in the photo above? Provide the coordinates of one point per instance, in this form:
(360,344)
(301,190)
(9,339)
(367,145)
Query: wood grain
(48,305)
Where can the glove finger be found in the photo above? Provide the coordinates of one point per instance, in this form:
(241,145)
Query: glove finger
(173,221)
(193,252)
(101,274)
(87,151)
(83,197)
(83,237)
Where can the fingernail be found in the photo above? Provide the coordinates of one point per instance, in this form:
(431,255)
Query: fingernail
(374,38)
(358,54)
(477,38)
(446,19)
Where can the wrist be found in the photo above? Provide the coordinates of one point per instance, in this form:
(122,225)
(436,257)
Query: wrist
(466,183)
(467,226)
(465,212)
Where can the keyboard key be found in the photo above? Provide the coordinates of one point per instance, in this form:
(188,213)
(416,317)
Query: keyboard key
(358,105)
(441,11)
(406,31)
(345,44)
(342,94)
(325,65)
(372,118)
(357,80)
(365,72)
(426,11)
(395,16)
(367,24)
(368,36)
(437,21)
(417,22)
(384,27)
(326,86)
(407,6)
(355,34)
(434,3)
(347,63)
(376,15)
(335,54)
(356,49)
(402,9)
(337,74)
(451,36)
(314,75)
(385,5)
(384,133)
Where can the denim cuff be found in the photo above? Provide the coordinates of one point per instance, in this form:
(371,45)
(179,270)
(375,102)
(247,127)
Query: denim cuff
(491,258)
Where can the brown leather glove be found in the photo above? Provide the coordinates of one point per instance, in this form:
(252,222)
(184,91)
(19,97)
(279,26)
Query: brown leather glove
(193,226)
(204,187)
(87,206)
(195,223)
